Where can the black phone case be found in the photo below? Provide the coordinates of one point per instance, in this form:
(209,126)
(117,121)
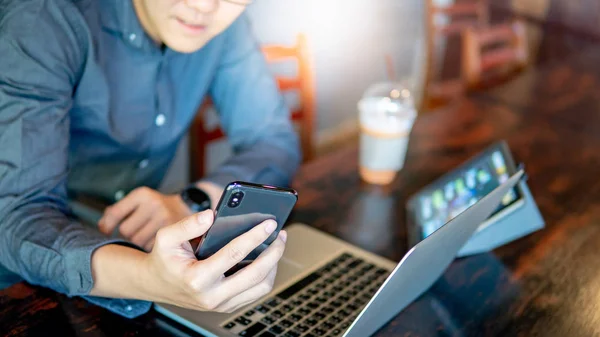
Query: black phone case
(260,203)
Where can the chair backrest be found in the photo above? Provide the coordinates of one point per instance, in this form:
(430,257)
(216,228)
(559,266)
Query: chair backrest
(443,22)
(304,114)
(303,83)
(491,53)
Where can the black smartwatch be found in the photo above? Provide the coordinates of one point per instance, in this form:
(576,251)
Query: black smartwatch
(196,199)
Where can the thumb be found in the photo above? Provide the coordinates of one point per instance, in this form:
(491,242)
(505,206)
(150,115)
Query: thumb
(185,230)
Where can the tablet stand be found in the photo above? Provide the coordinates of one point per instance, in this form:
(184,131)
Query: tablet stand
(516,224)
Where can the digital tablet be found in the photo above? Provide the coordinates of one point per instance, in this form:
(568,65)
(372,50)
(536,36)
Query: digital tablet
(454,192)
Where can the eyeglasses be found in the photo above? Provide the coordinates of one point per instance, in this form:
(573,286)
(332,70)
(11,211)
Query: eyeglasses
(239,2)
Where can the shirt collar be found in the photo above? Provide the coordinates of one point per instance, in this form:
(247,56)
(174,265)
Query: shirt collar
(119,16)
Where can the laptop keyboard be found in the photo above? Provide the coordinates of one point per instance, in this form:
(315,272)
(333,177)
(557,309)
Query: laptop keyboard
(323,303)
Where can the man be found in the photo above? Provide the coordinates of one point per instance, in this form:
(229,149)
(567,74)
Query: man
(94,98)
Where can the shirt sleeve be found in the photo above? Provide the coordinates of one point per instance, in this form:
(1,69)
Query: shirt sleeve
(43,55)
(253,114)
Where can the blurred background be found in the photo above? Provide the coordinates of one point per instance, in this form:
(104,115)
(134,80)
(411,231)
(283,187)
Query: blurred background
(353,44)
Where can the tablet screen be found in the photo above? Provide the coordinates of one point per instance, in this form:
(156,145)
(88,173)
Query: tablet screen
(445,200)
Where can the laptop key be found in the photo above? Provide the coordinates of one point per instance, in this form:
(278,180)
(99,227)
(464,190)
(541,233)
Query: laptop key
(344,298)
(273,302)
(243,320)
(266,334)
(229,325)
(301,328)
(313,305)
(313,291)
(344,271)
(321,299)
(295,317)
(296,287)
(305,297)
(344,257)
(304,311)
(253,330)
(319,332)
(335,319)
(311,321)
(355,263)
(286,323)
(328,310)
(297,303)
(286,308)
(268,320)
(343,313)
(249,313)
(367,267)
(291,334)
(336,332)
(262,309)
(326,326)
(381,271)
(276,329)
(318,316)
(277,314)
(336,303)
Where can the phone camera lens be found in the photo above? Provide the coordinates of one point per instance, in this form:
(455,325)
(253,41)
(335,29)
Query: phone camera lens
(235,199)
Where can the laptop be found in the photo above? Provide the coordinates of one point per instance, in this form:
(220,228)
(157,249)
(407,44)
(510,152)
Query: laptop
(328,287)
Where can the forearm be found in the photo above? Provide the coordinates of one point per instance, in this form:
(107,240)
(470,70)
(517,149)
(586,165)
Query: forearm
(119,272)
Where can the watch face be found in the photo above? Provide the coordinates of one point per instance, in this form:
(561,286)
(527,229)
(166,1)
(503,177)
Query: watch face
(199,198)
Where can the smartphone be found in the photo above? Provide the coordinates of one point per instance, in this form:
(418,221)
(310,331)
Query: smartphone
(241,207)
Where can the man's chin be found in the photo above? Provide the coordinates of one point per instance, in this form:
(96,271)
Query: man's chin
(186,46)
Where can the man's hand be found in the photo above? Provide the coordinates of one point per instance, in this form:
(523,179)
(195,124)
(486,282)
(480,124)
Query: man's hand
(141,214)
(171,273)
(201,285)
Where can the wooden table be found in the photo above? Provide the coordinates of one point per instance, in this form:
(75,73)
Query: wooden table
(546,284)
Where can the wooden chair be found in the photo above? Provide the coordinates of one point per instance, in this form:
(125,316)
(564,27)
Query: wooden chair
(492,54)
(460,16)
(303,114)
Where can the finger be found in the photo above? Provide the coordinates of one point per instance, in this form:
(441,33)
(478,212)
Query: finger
(250,295)
(258,270)
(187,229)
(135,221)
(148,246)
(114,215)
(147,233)
(235,251)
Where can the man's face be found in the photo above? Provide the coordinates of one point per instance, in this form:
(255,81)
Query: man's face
(186,25)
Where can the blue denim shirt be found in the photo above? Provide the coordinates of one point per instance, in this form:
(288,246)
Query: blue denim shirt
(89,105)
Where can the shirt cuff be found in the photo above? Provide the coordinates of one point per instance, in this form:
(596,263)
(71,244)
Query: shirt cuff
(123,307)
(78,261)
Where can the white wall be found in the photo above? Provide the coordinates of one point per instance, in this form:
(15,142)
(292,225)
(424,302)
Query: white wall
(348,39)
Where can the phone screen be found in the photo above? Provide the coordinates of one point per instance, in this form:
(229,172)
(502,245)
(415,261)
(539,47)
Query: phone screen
(449,198)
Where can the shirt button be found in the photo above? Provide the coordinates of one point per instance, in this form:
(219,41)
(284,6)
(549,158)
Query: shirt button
(128,308)
(160,120)
(132,37)
(143,164)
(119,195)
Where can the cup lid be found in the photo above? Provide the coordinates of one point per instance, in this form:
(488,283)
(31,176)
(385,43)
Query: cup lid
(391,98)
